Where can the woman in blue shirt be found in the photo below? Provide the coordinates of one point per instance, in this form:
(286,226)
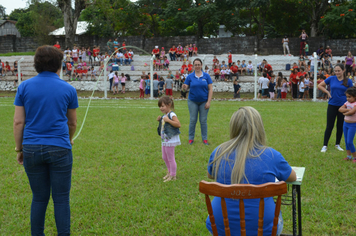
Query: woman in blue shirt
(246,159)
(200,95)
(337,97)
(45,121)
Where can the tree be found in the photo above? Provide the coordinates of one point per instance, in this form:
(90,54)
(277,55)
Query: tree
(2,12)
(340,14)
(38,20)
(71,16)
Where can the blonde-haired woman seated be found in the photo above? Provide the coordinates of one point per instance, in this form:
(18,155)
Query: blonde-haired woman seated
(246,159)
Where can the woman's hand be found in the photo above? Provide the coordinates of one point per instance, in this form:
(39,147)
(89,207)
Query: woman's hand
(207,105)
(72,142)
(158,118)
(19,158)
(328,93)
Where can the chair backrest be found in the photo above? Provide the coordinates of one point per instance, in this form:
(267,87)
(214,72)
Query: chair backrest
(243,191)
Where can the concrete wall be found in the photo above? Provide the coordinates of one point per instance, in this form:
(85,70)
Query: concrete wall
(238,45)
(11,43)
(134,86)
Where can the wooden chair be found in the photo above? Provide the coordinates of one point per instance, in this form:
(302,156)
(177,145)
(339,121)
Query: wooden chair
(243,191)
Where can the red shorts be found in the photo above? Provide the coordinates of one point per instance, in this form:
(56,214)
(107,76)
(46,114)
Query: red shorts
(169,92)
(75,58)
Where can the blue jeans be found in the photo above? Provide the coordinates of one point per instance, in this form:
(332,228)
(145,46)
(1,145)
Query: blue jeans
(172,56)
(119,60)
(194,109)
(49,168)
(128,61)
(349,135)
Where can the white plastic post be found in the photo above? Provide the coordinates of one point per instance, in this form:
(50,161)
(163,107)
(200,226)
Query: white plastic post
(315,76)
(255,76)
(19,70)
(61,74)
(202,66)
(105,78)
(151,77)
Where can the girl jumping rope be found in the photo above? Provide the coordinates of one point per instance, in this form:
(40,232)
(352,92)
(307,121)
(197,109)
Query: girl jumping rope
(349,111)
(169,132)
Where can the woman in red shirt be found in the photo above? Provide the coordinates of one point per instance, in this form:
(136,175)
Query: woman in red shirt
(294,80)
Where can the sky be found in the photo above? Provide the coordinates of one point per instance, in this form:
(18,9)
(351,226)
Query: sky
(10,5)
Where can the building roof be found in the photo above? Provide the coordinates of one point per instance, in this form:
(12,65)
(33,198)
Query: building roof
(82,28)
(10,21)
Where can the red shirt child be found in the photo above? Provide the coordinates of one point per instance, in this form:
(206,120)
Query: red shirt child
(124,45)
(190,67)
(234,69)
(230,58)
(216,71)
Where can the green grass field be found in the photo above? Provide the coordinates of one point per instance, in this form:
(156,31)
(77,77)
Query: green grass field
(117,186)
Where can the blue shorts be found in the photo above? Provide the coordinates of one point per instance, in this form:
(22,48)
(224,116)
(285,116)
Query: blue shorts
(147,91)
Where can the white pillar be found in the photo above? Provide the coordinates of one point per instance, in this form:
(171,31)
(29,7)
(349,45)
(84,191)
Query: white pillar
(151,77)
(61,74)
(255,77)
(315,75)
(105,78)
(19,70)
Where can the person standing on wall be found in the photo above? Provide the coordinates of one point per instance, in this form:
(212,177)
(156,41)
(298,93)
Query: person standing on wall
(303,37)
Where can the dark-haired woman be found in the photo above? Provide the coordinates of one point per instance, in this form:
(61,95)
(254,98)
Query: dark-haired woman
(338,85)
(44,124)
(200,95)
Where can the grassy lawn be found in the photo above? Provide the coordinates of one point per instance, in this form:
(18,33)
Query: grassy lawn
(117,186)
(17,54)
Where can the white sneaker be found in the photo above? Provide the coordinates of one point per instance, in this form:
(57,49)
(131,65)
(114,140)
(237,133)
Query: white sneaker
(324,149)
(339,148)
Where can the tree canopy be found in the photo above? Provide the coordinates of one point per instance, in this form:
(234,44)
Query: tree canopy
(202,18)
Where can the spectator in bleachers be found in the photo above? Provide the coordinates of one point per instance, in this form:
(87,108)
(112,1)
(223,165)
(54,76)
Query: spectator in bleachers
(350,62)
(326,62)
(234,71)
(306,48)
(119,58)
(320,52)
(128,58)
(180,47)
(57,45)
(243,67)
(7,67)
(206,69)
(249,68)
(223,64)
(216,73)
(229,58)
(116,45)
(195,50)
(239,66)
(301,61)
(179,53)
(190,49)
(110,46)
(328,51)
(268,67)
(163,52)
(155,52)
(172,53)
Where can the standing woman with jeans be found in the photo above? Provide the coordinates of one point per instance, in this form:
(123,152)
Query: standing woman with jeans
(200,94)
(338,84)
(45,121)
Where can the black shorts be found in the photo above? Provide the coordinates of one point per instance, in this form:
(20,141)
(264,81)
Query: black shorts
(264,92)
(122,84)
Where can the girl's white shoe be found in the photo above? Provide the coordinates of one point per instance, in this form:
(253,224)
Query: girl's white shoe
(324,148)
(339,148)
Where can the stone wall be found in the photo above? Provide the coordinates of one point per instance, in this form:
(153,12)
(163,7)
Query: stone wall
(11,43)
(134,86)
(238,45)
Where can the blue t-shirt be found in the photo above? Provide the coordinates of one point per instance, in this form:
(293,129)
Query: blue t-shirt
(148,84)
(46,99)
(337,90)
(259,170)
(199,90)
